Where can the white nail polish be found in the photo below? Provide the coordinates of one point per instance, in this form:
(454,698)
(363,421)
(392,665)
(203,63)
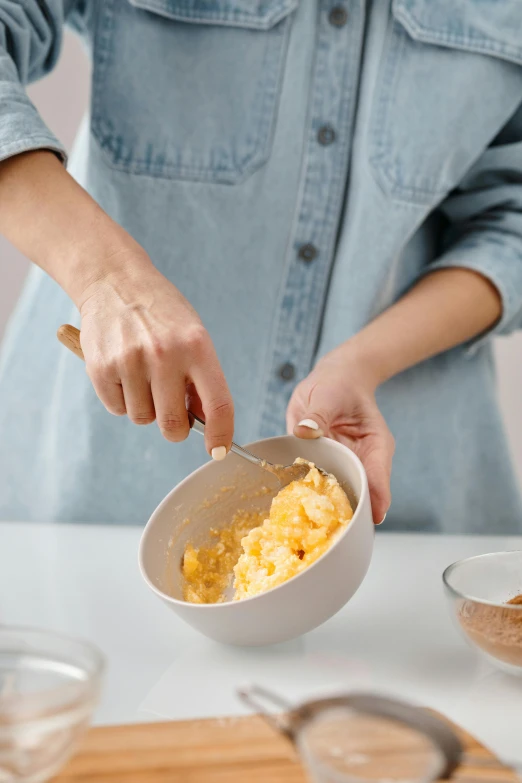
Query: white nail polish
(310,423)
(219,453)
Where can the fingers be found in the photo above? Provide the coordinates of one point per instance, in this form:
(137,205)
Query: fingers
(189,376)
(186,369)
(217,405)
(377,459)
(107,385)
(136,388)
(127,390)
(168,391)
(123,388)
(193,402)
(154,378)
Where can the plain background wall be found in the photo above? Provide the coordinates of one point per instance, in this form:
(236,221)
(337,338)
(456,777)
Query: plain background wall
(62,99)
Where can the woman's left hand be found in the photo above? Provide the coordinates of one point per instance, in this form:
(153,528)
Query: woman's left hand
(337,400)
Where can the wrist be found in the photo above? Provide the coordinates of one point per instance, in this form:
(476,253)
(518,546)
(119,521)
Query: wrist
(107,259)
(363,360)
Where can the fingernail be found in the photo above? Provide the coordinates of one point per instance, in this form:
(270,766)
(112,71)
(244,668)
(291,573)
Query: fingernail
(310,423)
(219,452)
(313,425)
(382,520)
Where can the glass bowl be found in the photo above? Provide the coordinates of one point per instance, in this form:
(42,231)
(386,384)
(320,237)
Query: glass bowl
(49,687)
(479,591)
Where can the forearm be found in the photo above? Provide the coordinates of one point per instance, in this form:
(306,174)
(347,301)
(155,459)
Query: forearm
(444,309)
(55,223)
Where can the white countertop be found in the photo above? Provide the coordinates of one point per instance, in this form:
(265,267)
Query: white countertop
(395,636)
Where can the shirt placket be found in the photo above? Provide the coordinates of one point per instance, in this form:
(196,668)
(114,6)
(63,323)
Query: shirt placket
(333,97)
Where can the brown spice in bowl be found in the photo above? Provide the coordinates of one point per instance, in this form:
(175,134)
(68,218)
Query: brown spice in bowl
(495,629)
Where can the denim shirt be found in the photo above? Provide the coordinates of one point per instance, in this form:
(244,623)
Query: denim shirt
(293,167)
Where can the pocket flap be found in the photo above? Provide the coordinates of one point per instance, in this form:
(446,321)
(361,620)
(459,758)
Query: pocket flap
(254,14)
(491,27)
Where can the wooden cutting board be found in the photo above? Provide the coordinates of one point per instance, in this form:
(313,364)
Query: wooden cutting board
(228,750)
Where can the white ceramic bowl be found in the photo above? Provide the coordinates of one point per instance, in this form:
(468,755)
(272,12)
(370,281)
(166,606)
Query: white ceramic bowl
(298,605)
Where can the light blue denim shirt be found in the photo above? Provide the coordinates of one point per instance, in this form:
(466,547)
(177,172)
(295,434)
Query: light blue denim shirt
(293,166)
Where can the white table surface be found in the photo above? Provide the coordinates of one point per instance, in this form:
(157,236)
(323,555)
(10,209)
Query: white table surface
(395,636)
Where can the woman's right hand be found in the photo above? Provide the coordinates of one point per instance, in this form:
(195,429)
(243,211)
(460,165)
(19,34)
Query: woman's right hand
(146,350)
(148,354)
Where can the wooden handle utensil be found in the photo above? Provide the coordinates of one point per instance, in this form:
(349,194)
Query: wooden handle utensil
(70,337)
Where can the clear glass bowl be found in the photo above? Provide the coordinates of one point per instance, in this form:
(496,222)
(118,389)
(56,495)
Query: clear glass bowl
(479,590)
(49,688)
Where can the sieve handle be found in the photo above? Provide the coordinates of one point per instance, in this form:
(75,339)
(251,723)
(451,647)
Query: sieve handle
(263,701)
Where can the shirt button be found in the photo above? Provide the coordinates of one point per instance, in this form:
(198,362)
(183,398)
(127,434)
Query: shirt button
(338,16)
(326,135)
(307,252)
(287,371)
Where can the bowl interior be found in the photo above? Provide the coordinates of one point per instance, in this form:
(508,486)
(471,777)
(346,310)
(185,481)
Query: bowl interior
(210,497)
(494,578)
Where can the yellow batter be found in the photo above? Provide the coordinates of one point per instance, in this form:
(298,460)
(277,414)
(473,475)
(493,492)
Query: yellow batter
(305,518)
(208,570)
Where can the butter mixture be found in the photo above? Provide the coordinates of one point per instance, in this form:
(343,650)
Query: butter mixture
(305,518)
(208,570)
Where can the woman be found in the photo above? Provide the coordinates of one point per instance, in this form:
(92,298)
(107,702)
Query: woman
(310,207)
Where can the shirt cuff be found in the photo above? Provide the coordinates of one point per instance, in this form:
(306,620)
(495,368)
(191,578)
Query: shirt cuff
(498,258)
(37,142)
(21,127)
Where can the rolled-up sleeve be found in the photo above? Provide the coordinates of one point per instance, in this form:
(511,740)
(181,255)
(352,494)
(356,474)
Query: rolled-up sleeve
(484,229)
(31,34)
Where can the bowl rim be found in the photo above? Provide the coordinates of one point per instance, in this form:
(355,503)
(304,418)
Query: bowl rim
(98,656)
(446,575)
(364,496)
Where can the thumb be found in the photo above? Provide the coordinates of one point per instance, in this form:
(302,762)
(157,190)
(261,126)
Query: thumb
(308,414)
(309,423)
(308,428)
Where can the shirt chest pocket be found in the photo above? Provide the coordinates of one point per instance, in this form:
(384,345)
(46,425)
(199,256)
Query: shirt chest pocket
(449,79)
(189,89)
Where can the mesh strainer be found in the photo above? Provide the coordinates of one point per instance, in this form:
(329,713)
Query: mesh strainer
(362,738)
